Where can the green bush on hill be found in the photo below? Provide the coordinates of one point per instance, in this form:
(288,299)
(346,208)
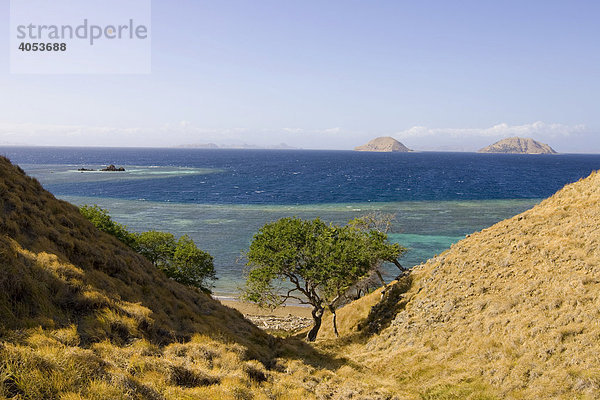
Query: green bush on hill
(100,218)
(181,260)
(158,247)
(191,266)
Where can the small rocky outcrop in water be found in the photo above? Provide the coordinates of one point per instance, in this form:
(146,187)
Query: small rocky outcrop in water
(385,144)
(85,169)
(518,145)
(112,168)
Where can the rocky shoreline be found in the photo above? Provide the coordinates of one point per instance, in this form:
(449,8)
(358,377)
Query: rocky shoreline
(289,323)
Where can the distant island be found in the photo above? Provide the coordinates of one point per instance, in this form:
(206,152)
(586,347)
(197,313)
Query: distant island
(280,146)
(518,145)
(384,144)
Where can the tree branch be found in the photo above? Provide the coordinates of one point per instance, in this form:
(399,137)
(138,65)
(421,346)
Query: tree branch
(295,281)
(301,301)
(397,264)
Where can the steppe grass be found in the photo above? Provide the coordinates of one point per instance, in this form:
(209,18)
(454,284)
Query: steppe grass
(509,312)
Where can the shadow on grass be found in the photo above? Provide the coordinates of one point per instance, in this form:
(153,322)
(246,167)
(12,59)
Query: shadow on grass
(323,353)
(383,313)
(299,349)
(380,316)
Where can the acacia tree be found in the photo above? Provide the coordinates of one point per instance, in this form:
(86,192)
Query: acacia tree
(313,263)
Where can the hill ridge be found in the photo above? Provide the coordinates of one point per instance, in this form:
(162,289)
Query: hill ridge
(35,228)
(510,311)
(82,316)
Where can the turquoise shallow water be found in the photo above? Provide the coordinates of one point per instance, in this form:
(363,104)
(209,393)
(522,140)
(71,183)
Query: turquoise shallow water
(221,198)
(426,228)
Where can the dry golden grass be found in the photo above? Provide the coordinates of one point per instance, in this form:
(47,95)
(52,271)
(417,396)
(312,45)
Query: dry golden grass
(84,317)
(509,312)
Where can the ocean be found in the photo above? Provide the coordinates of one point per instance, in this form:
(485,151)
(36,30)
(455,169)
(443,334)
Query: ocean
(222,197)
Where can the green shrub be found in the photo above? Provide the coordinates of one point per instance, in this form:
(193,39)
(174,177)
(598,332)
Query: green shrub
(181,260)
(100,218)
(158,247)
(192,266)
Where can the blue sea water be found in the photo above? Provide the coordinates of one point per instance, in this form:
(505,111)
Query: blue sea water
(221,197)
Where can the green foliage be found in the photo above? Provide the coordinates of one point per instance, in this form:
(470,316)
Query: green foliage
(100,218)
(158,247)
(179,259)
(190,265)
(320,261)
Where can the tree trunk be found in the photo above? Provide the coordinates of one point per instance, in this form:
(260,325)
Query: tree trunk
(317,314)
(333,314)
(334,323)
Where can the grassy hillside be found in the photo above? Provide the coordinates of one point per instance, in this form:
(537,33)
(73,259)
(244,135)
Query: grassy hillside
(84,317)
(509,312)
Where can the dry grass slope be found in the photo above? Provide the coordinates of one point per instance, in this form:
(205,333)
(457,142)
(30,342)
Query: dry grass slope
(509,312)
(84,317)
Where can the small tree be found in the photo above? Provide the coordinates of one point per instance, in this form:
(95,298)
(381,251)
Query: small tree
(376,220)
(191,266)
(313,263)
(158,247)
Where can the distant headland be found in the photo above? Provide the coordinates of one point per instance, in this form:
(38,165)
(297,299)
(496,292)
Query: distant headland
(518,145)
(384,144)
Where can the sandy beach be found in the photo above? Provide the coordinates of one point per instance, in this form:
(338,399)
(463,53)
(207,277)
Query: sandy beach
(251,309)
(288,318)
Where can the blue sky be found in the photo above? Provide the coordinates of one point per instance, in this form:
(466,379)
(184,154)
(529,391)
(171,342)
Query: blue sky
(437,75)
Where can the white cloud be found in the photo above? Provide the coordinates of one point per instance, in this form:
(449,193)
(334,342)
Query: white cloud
(560,136)
(171,134)
(500,130)
(564,138)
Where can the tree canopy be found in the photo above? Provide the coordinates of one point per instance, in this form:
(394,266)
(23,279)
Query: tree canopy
(181,260)
(313,262)
(158,247)
(191,266)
